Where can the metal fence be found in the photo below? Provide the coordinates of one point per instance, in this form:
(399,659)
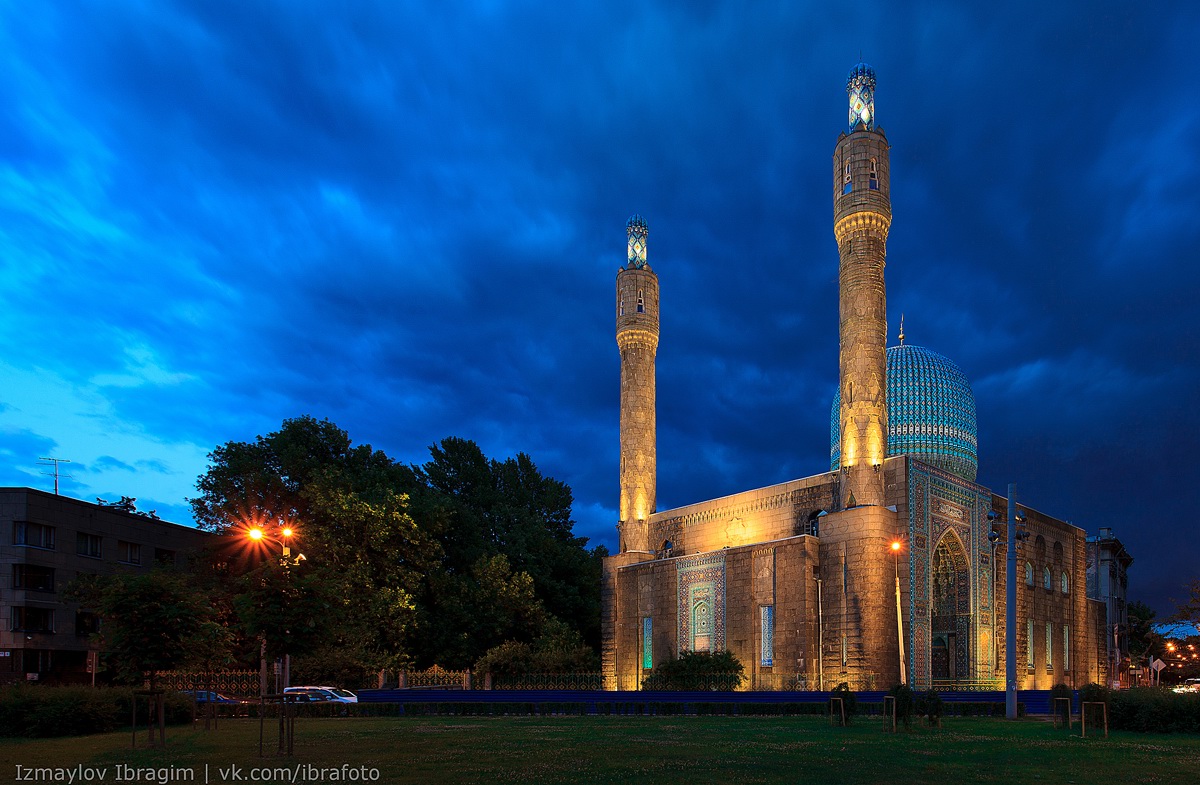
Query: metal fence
(242,683)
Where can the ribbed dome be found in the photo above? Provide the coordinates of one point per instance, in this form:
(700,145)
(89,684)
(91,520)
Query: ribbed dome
(931,412)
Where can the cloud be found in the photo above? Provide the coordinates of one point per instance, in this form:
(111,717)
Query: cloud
(214,216)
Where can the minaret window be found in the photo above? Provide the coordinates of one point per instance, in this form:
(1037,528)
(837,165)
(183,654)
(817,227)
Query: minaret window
(874,183)
(641,303)
(848,186)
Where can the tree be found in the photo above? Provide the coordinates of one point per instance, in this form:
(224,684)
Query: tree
(150,621)
(410,566)
(365,558)
(1143,640)
(484,508)
(1189,609)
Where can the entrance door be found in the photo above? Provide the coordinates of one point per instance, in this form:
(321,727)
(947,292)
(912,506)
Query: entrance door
(940,659)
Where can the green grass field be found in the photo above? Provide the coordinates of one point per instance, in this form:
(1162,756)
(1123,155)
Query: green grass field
(626,749)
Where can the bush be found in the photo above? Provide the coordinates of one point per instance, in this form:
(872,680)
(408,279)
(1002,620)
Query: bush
(1154,710)
(849,703)
(904,703)
(1061,691)
(1094,693)
(697,671)
(930,706)
(40,711)
(559,649)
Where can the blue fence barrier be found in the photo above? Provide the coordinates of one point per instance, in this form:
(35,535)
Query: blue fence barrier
(1035,701)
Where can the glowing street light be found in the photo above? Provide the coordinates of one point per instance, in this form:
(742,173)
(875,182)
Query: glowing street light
(257,535)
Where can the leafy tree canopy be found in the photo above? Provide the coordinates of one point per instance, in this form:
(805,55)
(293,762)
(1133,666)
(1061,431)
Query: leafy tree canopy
(152,621)
(404,565)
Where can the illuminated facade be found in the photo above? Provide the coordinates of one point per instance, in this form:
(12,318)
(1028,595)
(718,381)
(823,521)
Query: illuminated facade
(799,580)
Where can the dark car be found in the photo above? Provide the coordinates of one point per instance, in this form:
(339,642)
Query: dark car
(208,696)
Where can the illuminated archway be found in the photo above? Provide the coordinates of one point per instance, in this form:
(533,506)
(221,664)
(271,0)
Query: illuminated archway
(950,610)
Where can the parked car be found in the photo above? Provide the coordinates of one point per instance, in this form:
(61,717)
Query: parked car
(325,693)
(208,696)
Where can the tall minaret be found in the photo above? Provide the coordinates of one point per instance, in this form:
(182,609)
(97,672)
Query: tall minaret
(637,338)
(862,214)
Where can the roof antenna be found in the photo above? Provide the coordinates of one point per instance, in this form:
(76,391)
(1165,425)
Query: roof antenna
(56,462)
(901,329)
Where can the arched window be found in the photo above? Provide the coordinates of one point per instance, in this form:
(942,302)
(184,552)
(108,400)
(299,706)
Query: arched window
(1058,553)
(641,302)
(847,186)
(1065,583)
(874,182)
(1046,584)
(1028,574)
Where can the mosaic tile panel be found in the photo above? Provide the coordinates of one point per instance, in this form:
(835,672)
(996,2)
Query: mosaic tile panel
(701,602)
(768,635)
(647,642)
(939,503)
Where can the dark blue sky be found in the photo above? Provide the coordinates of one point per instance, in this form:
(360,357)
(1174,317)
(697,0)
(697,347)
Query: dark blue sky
(408,218)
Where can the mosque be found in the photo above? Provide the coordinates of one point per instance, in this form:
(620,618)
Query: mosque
(876,572)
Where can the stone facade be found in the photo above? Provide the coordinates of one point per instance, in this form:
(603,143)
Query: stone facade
(862,215)
(637,340)
(879,571)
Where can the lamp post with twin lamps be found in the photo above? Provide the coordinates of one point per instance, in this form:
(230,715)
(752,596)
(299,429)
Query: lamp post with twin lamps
(287,561)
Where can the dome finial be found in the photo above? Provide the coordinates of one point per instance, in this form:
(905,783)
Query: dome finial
(901,329)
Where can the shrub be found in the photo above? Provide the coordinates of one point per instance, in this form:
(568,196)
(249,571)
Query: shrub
(697,671)
(40,711)
(1094,693)
(1061,691)
(849,704)
(1154,710)
(559,649)
(930,706)
(904,703)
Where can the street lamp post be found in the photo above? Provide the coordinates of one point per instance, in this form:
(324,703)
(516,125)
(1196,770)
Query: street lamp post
(287,561)
(899,615)
(1015,518)
(820,632)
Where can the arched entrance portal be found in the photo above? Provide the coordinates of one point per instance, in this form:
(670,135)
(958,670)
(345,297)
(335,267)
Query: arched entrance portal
(951,610)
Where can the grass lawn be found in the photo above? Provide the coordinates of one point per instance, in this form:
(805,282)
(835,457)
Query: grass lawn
(632,749)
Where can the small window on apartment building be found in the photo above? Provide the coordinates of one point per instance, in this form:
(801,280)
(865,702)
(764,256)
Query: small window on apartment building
(87,545)
(647,642)
(767,613)
(1049,647)
(33,577)
(33,535)
(86,624)
(164,556)
(32,619)
(129,552)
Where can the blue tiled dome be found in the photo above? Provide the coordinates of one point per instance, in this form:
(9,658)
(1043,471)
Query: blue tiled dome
(931,412)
